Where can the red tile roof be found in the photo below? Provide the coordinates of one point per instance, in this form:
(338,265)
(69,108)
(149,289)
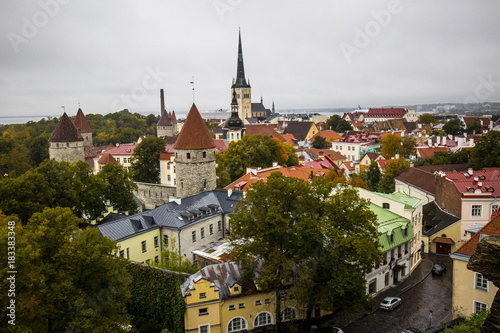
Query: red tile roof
(491,228)
(81,123)
(194,133)
(426,152)
(328,135)
(265,130)
(65,131)
(480,182)
(444,240)
(164,119)
(123,149)
(390,112)
(107,158)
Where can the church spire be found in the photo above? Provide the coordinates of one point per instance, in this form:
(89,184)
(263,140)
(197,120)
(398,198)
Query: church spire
(240,73)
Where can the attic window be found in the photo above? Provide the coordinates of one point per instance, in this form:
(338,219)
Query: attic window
(483,177)
(466,175)
(391,238)
(490,189)
(470,189)
(386,205)
(136,224)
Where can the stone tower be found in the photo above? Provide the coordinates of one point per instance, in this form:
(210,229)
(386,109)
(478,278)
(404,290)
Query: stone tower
(167,125)
(242,88)
(83,127)
(194,157)
(65,144)
(233,128)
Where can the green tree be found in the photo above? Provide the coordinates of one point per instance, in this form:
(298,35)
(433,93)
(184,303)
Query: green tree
(173,261)
(427,118)
(146,160)
(39,150)
(474,128)
(255,151)
(471,325)
(321,143)
(454,127)
(290,229)
(392,169)
(337,124)
(118,187)
(373,176)
(408,144)
(486,152)
(66,279)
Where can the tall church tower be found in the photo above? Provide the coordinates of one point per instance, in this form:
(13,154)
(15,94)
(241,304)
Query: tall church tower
(65,143)
(242,88)
(194,157)
(83,127)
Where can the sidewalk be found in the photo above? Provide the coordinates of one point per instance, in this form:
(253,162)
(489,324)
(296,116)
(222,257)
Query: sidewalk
(344,319)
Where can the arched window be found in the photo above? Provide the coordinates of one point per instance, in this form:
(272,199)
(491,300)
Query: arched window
(263,319)
(237,324)
(288,314)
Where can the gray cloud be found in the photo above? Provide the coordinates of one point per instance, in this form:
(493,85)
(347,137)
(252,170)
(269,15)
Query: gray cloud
(98,52)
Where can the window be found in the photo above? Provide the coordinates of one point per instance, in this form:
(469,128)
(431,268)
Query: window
(211,228)
(202,233)
(267,301)
(204,329)
(143,246)
(241,306)
(188,156)
(231,307)
(203,295)
(219,225)
(237,324)
(263,319)
(165,240)
(204,154)
(386,205)
(193,236)
(372,286)
(157,259)
(405,232)
(156,242)
(288,314)
(391,239)
(128,253)
(122,254)
(476,210)
(478,306)
(236,288)
(203,312)
(258,302)
(495,208)
(387,279)
(481,282)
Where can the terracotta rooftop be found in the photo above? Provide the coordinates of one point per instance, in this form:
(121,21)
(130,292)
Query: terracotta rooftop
(389,112)
(491,228)
(427,152)
(328,135)
(65,131)
(194,133)
(81,123)
(265,130)
(299,129)
(123,149)
(483,182)
(107,158)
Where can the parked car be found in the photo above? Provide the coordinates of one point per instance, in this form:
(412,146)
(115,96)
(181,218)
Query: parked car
(389,303)
(438,269)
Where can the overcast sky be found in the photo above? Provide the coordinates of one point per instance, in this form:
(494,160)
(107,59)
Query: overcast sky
(110,55)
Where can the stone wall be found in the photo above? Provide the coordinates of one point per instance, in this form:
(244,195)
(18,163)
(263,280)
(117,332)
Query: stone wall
(67,151)
(195,173)
(154,195)
(447,196)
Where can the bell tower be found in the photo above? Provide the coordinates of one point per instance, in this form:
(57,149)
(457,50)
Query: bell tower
(241,87)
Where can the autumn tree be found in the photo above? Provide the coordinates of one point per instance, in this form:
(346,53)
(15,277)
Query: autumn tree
(290,229)
(118,187)
(393,168)
(486,152)
(393,145)
(66,279)
(427,118)
(146,160)
(255,151)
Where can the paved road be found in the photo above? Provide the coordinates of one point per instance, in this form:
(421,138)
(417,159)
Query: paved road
(434,293)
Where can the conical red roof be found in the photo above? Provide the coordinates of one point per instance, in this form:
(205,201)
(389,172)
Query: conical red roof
(194,133)
(81,122)
(65,131)
(164,119)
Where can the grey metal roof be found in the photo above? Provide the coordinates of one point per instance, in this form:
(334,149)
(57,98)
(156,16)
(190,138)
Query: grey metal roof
(173,215)
(221,276)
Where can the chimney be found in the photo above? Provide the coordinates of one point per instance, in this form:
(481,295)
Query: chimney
(162,101)
(470,171)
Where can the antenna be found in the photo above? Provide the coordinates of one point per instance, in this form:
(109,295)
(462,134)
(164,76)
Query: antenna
(192,82)
(64,108)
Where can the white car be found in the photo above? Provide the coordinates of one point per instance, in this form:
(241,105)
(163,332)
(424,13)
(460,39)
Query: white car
(389,303)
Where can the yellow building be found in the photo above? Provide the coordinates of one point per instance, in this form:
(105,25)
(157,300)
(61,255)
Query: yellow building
(217,301)
(472,292)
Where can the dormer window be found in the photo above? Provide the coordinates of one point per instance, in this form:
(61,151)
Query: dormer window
(386,205)
(391,238)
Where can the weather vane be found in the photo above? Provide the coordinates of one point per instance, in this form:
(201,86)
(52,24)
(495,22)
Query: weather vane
(192,82)
(64,108)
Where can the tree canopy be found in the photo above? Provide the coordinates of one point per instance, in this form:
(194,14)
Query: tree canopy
(393,144)
(393,168)
(287,229)
(321,143)
(486,152)
(427,118)
(337,124)
(146,160)
(66,280)
(62,184)
(254,151)
(454,127)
